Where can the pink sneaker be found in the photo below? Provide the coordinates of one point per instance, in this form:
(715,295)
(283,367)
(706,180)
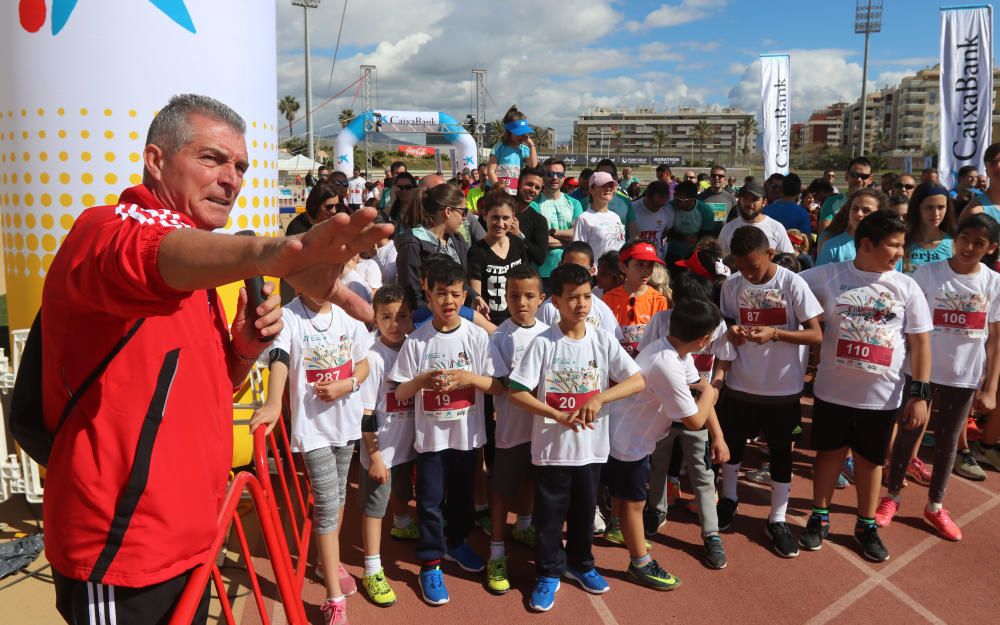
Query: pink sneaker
(887,508)
(919,472)
(941,521)
(347,584)
(334,613)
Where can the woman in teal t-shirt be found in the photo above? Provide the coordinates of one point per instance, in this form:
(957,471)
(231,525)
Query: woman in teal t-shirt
(931,217)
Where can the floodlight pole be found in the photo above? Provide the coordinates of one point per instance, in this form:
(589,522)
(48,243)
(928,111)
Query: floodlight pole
(867,20)
(306,5)
(372,124)
(480,129)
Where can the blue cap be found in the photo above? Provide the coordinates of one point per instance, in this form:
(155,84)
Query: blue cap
(518,127)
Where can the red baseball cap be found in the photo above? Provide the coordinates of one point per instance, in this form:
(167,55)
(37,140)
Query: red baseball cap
(641,251)
(697,265)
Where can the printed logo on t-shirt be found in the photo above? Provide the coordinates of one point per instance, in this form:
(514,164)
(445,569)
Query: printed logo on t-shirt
(450,405)
(866,341)
(719,210)
(508,175)
(568,390)
(633,336)
(960,314)
(328,363)
(613,232)
(763,307)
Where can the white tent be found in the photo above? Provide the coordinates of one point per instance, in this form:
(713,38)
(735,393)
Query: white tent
(299,164)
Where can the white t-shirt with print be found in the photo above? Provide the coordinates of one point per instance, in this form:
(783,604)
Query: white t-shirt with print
(603,231)
(513,422)
(666,398)
(962,307)
(370,272)
(866,319)
(775,232)
(356,190)
(704,360)
(652,224)
(451,420)
(567,373)
(784,302)
(320,347)
(393,418)
(600,316)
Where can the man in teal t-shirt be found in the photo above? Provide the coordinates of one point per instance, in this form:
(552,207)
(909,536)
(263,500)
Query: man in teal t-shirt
(859,174)
(560,210)
(693,219)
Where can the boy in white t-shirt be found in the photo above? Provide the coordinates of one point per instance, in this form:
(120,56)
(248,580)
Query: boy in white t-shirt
(580,253)
(387,443)
(321,352)
(767,307)
(447,364)
(872,316)
(665,404)
(511,471)
(570,366)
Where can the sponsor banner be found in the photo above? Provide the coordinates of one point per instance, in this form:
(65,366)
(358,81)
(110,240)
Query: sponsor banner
(417,150)
(966,89)
(776,111)
(634,160)
(672,161)
(409,117)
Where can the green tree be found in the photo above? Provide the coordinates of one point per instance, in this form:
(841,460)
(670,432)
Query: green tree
(494,132)
(345,117)
(747,129)
(659,138)
(616,142)
(703,132)
(295,145)
(580,138)
(288,106)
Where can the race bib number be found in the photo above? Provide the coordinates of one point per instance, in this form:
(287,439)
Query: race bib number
(568,402)
(763,307)
(719,210)
(960,314)
(867,356)
(332,374)
(633,336)
(397,407)
(449,406)
(567,390)
(704,362)
(868,330)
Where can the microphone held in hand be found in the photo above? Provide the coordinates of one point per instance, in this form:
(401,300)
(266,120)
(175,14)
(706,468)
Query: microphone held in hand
(255,290)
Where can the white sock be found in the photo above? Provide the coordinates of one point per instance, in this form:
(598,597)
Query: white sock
(480,507)
(779,501)
(730,477)
(373,564)
(523,522)
(496,550)
(339,599)
(401,521)
(934,507)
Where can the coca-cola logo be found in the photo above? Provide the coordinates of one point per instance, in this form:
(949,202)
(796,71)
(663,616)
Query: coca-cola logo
(416,150)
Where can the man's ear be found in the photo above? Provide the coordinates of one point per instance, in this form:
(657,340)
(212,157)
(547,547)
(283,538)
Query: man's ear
(153,157)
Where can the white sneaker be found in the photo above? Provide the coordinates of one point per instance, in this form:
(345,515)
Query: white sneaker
(599,525)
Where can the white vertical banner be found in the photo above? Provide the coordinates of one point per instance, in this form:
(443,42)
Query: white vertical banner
(966,89)
(777,124)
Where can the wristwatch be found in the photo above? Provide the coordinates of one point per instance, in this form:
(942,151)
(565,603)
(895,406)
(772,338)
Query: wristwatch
(920,390)
(356,387)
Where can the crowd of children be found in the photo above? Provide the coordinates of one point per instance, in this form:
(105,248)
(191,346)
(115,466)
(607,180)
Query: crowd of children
(591,388)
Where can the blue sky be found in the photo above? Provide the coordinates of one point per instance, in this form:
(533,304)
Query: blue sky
(558,58)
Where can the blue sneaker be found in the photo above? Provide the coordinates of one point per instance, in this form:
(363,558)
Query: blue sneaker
(591,581)
(544,594)
(465,557)
(432,586)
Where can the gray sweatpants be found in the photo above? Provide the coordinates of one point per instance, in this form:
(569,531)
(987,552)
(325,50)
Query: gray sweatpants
(327,468)
(695,445)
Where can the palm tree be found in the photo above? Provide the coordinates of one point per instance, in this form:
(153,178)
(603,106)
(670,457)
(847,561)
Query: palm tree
(748,130)
(494,132)
(618,142)
(579,138)
(345,117)
(289,106)
(703,132)
(659,138)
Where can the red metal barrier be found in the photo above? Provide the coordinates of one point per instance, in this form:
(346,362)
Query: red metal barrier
(289,489)
(289,587)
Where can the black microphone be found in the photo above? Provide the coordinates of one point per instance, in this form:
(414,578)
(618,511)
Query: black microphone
(255,290)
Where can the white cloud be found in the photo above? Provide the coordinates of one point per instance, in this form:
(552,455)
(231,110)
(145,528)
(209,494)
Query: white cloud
(891,79)
(920,61)
(737,68)
(817,78)
(657,51)
(677,14)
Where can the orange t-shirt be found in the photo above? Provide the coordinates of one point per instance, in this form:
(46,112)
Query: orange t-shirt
(634,312)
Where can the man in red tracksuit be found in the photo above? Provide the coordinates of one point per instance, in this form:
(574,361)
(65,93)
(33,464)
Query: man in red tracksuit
(139,468)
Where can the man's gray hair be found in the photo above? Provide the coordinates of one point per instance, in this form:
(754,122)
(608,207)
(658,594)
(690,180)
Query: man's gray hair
(171,128)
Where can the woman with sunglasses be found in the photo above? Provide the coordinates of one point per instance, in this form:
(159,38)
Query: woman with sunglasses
(442,212)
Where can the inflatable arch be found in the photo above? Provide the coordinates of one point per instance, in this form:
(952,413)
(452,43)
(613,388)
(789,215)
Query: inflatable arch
(404,121)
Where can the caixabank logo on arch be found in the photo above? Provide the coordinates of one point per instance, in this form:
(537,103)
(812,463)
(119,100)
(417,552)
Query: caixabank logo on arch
(32,13)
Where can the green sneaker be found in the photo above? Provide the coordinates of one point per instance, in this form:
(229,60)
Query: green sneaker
(496,576)
(615,537)
(525,536)
(483,520)
(410,532)
(378,589)
(652,576)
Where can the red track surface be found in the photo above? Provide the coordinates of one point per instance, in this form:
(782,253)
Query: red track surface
(927,579)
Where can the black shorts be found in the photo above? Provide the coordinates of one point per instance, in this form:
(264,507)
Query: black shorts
(866,432)
(88,602)
(628,480)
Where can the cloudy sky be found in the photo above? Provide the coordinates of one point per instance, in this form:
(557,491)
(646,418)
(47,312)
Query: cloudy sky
(557,58)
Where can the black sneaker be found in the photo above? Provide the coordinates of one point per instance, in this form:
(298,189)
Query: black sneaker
(726,509)
(816,530)
(652,521)
(652,576)
(715,553)
(872,546)
(781,536)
